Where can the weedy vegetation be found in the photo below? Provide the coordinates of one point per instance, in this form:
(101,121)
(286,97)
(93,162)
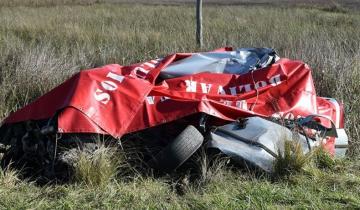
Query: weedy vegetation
(291,159)
(43,43)
(96,166)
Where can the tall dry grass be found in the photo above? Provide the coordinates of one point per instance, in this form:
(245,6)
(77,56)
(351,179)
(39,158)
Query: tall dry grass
(96,166)
(41,47)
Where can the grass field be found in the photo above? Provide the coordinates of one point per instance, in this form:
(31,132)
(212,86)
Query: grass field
(284,3)
(42,46)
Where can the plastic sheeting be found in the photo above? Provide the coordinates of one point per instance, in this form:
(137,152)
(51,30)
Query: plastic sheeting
(116,100)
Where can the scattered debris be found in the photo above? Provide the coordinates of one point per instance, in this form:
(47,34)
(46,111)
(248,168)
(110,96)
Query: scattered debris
(243,102)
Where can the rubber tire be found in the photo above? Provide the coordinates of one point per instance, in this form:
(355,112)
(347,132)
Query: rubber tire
(178,151)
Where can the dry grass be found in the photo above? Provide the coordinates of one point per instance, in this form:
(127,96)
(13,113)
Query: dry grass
(96,166)
(9,178)
(333,5)
(42,46)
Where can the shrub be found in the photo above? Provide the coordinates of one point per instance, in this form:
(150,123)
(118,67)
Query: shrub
(322,159)
(95,167)
(291,160)
(9,178)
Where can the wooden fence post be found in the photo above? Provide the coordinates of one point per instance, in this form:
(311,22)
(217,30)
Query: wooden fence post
(199,35)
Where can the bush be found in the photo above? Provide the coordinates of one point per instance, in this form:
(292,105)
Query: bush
(323,159)
(95,167)
(291,160)
(9,178)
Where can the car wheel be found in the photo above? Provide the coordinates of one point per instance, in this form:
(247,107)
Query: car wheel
(178,151)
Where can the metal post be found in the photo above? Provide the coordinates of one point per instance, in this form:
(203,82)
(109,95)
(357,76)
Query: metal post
(199,36)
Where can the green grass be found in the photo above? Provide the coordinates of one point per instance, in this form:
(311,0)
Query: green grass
(42,46)
(291,159)
(228,189)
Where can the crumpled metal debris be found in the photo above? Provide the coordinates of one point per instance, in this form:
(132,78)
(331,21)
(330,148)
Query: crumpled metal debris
(224,84)
(258,141)
(240,61)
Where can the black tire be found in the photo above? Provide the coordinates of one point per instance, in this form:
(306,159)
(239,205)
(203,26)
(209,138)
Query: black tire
(178,151)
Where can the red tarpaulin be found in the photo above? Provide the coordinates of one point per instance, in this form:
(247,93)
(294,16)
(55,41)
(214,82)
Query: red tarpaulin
(118,99)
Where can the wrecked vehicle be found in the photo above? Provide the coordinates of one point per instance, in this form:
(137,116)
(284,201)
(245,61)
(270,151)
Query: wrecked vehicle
(234,100)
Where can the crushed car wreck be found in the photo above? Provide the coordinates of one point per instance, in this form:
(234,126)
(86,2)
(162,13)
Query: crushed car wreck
(213,91)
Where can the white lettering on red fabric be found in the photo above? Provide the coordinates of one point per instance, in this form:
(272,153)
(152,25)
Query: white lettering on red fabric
(150,99)
(143,70)
(242,104)
(245,88)
(260,84)
(233,90)
(109,85)
(275,80)
(221,90)
(102,95)
(164,98)
(192,86)
(116,77)
(205,87)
